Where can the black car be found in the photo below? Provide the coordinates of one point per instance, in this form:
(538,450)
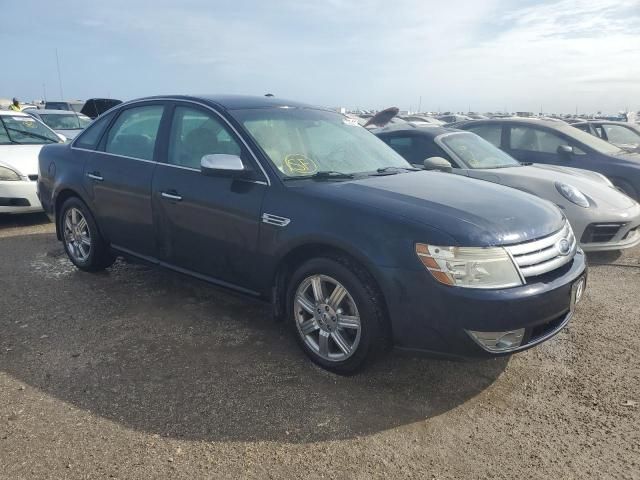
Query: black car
(94,107)
(622,134)
(557,143)
(303,207)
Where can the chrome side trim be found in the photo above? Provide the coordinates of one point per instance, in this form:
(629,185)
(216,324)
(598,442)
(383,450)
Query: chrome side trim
(247,180)
(171,99)
(275,220)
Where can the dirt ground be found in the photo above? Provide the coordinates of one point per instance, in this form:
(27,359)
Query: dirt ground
(141,373)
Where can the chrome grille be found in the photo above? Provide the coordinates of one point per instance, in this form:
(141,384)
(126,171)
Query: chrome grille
(544,255)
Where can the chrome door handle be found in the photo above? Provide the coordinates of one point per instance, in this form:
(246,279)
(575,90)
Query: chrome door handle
(171,196)
(93,176)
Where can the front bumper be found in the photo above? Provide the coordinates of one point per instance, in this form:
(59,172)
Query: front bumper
(19,197)
(430,317)
(600,230)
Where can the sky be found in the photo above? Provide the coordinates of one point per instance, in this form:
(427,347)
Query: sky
(445,55)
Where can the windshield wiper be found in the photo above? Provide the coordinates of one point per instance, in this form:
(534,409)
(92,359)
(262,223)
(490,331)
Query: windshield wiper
(31,134)
(321,175)
(397,169)
(526,164)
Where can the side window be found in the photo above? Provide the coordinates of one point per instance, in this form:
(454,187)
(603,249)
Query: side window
(4,136)
(194,134)
(619,135)
(491,133)
(90,138)
(533,140)
(134,132)
(402,145)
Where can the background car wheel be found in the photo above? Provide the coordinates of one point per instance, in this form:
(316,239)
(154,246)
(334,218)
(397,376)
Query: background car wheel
(337,314)
(627,189)
(81,238)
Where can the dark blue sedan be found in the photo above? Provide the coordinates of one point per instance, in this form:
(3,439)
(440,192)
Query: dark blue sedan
(558,143)
(302,207)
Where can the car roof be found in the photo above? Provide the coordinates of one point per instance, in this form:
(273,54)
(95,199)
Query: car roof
(604,122)
(426,131)
(12,113)
(238,102)
(50,111)
(549,122)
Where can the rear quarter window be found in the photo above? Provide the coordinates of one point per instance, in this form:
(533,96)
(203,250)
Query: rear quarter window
(90,138)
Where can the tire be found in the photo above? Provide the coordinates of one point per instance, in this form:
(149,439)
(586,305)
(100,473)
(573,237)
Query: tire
(340,336)
(627,189)
(82,240)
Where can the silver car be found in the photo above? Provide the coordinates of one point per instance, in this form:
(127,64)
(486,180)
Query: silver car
(64,122)
(602,217)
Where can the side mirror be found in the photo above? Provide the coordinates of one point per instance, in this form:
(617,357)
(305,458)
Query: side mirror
(61,137)
(222,165)
(565,150)
(438,163)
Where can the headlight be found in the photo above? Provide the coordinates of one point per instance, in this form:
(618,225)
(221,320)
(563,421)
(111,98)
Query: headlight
(470,267)
(573,194)
(6,174)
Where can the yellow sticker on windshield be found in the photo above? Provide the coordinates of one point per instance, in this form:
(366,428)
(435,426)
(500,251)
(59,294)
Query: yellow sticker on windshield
(298,164)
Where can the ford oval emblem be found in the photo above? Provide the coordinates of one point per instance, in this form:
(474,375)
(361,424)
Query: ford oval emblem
(563,247)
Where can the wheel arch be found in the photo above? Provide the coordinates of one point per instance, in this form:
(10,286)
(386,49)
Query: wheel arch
(62,196)
(297,255)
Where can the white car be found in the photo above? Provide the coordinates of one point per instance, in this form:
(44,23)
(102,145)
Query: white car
(65,122)
(21,138)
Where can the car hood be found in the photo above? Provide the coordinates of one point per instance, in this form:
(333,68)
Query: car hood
(540,180)
(473,212)
(70,134)
(23,158)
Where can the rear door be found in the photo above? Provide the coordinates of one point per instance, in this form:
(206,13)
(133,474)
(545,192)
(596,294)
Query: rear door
(207,224)
(118,178)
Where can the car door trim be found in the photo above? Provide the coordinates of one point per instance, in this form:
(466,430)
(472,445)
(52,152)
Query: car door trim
(185,271)
(177,100)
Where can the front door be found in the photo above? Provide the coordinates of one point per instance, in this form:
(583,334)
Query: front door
(207,224)
(118,177)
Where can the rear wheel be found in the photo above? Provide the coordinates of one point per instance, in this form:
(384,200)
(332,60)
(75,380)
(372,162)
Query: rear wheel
(337,314)
(81,238)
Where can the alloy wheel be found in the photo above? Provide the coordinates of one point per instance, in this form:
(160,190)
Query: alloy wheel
(77,235)
(327,318)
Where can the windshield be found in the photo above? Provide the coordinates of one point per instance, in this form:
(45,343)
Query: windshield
(56,106)
(25,130)
(475,152)
(303,142)
(590,141)
(59,121)
(621,135)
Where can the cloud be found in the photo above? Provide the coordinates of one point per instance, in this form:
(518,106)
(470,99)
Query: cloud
(486,54)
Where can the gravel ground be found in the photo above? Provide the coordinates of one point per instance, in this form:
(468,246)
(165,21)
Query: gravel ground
(140,373)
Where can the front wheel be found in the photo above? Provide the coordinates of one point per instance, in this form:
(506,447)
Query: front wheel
(337,314)
(81,238)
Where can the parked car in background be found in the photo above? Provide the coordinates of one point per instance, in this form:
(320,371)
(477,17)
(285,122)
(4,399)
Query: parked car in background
(65,122)
(602,217)
(622,134)
(303,207)
(21,138)
(557,143)
(453,118)
(418,119)
(94,107)
(71,106)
